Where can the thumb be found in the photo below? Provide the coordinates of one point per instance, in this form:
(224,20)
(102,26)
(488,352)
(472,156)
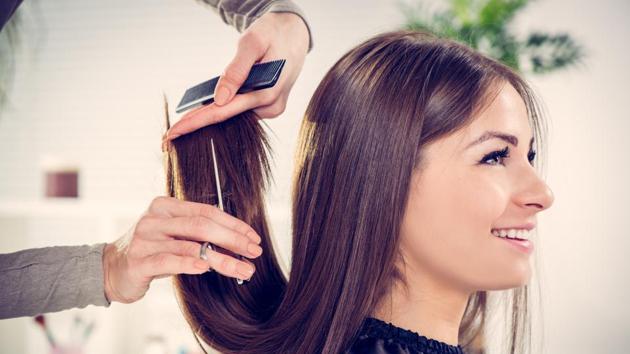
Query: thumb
(250,49)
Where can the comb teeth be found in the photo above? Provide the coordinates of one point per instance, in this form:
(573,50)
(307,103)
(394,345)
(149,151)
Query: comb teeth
(264,73)
(261,76)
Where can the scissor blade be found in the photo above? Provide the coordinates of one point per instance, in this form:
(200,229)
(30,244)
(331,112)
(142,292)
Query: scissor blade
(219,196)
(216,175)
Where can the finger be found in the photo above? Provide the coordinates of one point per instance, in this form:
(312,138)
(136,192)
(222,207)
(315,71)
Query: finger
(251,48)
(270,111)
(230,266)
(164,264)
(201,228)
(172,207)
(193,111)
(177,247)
(212,113)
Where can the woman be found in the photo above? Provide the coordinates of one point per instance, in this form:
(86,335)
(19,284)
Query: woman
(414,195)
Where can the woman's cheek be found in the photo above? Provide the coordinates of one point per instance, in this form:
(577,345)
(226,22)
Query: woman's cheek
(446,232)
(487,200)
(496,266)
(436,232)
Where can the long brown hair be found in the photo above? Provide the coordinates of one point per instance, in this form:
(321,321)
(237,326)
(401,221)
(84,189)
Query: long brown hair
(361,138)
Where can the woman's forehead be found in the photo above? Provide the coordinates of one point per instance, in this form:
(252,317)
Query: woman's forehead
(506,115)
(505,121)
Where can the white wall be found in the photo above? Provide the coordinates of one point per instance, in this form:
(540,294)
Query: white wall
(88,89)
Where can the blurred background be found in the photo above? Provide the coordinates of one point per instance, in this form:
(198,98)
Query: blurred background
(83,104)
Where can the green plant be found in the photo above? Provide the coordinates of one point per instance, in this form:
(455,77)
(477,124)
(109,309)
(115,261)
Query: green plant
(484,25)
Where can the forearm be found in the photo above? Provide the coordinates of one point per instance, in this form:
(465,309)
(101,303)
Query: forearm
(50,279)
(241,14)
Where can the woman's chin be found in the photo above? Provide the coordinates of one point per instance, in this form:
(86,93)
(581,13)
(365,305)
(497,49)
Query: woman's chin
(516,278)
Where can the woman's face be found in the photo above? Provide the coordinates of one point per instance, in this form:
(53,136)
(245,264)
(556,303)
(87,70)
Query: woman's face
(460,196)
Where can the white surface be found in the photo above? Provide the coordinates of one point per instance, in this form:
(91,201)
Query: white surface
(91,92)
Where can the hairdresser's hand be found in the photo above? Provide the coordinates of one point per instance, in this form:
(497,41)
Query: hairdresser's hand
(272,36)
(167,240)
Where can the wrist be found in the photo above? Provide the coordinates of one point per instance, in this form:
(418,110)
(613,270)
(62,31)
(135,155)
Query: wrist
(109,253)
(295,25)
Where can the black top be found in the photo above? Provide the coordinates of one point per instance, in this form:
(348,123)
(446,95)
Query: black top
(379,337)
(7,8)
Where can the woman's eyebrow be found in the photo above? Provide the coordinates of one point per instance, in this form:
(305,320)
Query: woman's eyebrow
(511,139)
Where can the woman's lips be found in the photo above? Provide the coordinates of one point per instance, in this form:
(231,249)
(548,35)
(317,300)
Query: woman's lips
(525,246)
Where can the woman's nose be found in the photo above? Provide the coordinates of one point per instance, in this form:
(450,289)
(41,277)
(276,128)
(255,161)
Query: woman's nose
(537,194)
(544,198)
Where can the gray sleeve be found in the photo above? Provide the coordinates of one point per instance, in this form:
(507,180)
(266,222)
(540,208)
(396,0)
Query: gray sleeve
(50,279)
(241,13)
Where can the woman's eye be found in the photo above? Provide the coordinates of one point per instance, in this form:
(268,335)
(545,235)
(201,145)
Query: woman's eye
(498,156)
(531,156)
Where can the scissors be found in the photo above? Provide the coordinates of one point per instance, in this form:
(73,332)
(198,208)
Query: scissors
(206,245)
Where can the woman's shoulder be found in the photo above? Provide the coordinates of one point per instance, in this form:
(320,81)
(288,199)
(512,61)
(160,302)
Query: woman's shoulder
(380,337)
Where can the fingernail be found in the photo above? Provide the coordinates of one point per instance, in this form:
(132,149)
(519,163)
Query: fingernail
(222,96)
(245,270)
(254,250)
(253,234)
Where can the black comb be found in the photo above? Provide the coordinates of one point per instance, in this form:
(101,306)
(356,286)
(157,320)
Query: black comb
(261,76)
